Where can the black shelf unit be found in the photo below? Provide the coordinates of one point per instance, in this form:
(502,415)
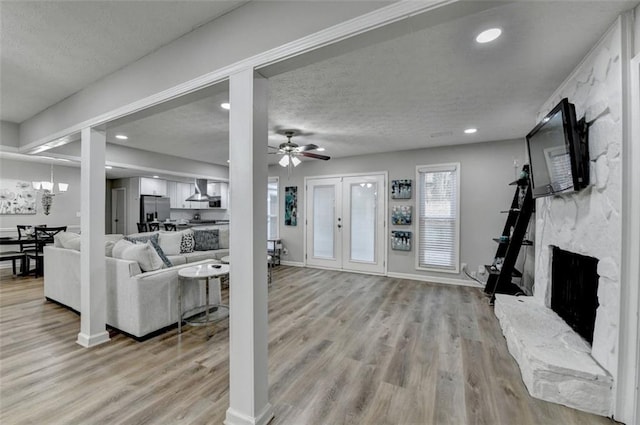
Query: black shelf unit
(503,270)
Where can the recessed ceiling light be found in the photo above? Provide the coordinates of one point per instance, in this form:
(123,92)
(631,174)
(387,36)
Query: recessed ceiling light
(471,130)
(156,177)
(488,35)
(108,167)
(121,137)
(225,105)
(320,149)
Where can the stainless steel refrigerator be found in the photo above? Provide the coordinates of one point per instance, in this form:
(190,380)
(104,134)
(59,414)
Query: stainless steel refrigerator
(154,208)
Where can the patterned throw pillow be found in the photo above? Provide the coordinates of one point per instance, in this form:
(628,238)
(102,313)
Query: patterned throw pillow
(206,240)
(153,238)
(187,244)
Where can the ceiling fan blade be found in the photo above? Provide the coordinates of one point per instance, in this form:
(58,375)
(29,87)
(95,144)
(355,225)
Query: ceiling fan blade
(273,147)
(314,155)
(305,148)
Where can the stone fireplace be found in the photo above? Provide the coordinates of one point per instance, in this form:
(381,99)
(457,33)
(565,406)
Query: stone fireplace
(557,363)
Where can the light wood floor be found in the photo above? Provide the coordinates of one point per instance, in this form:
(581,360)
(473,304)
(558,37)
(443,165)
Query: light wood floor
(343,349)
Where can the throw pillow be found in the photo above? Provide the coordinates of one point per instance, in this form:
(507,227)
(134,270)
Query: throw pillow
(161,254)
(187,244)
(67,240)
(143,237)
(206,240)
(170,242)
(108,248)
(145,254)
(119,247)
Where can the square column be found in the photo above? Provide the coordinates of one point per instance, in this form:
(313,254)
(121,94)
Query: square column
(248,329)
(93,309)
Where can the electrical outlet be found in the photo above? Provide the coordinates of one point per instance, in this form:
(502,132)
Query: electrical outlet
(285,251)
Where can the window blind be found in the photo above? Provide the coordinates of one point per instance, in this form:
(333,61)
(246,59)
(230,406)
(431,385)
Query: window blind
(438,220)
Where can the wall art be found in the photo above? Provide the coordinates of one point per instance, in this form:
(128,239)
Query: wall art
(17,197)
(401,215)
(401,189)
(400,240)
(291,206)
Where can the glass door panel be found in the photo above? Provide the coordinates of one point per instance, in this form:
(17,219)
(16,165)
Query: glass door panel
(323,221)
(363,222)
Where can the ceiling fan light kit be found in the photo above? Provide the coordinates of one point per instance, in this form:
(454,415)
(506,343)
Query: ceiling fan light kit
(291,151)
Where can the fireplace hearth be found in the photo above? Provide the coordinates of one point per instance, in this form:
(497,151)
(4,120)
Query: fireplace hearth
(574,290)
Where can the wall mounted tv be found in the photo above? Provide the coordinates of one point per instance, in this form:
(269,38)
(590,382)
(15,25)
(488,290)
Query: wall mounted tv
(558,152)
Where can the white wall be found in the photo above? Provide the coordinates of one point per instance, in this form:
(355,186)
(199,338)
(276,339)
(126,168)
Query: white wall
(9,134)
(486,170)
(589,222)
(65,206)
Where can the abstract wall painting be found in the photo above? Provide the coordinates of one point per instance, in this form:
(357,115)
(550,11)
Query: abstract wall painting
(291,206)
(17,197)
(400,240)
(401,215)
(401,189)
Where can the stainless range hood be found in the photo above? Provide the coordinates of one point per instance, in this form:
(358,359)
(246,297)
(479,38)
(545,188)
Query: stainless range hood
(200,194)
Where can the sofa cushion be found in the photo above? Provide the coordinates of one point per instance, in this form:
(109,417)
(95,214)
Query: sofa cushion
(153,238)
(188,242)
(67,240)
(177,260)
(145,254)
(206,240)
(198,256)
(119,248)
(170,242)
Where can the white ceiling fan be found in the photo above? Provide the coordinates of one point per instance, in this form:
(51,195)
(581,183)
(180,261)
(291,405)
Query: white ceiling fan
(291,151)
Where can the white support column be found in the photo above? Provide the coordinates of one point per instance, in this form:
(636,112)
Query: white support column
(92,260)
(248,335)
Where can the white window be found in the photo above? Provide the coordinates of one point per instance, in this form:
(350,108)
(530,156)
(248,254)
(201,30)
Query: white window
(272,209)
(438,217)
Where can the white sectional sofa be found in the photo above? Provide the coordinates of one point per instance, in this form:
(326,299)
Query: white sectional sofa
(138,302)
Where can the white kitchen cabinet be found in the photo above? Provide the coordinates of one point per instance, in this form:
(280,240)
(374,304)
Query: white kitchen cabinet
(156,187)
(172,193)
(220,189)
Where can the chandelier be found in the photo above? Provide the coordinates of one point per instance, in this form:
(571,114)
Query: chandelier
(46,188)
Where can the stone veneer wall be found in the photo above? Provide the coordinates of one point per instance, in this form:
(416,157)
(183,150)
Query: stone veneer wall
(589,222)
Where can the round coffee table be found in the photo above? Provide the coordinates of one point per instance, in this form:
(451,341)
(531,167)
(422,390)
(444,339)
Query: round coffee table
(206,313)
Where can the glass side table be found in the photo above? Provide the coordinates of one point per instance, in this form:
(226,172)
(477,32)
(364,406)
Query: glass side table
(206,313)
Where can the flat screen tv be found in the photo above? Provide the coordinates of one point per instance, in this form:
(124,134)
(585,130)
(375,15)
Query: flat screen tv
(558,153)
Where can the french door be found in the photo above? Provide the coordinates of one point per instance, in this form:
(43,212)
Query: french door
(345,223)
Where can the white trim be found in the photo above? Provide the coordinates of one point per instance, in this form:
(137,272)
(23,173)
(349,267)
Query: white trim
(627,404)
(234,417)
(344,270)
(344,30)
(276,179)
(435,279)
(451,166)
(88,341)
(292,263)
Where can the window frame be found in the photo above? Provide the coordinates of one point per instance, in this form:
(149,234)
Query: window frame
(275,180)
(420,169)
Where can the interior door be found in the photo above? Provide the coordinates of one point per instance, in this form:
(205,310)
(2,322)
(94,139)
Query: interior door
(345,223)
(118,210)
(323,222)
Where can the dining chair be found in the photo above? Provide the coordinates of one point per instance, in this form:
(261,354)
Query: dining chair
(170,227)
(142,227)
(25,232)
(43,236)
(154,227)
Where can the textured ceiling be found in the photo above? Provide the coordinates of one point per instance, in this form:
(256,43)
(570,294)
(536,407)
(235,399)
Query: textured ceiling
(414,88)
(412,91)
(51,49)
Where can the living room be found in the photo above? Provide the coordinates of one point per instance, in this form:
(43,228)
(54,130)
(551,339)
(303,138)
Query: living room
(483,193)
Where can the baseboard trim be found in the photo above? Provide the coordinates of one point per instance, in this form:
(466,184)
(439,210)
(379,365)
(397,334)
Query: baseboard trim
(435,279)
(88,341)
(236,418)
(292,263)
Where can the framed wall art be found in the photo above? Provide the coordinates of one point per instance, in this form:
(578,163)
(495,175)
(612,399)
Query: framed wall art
(17,197)
(291,206)
(400,240)
(401,189)
(401,215)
